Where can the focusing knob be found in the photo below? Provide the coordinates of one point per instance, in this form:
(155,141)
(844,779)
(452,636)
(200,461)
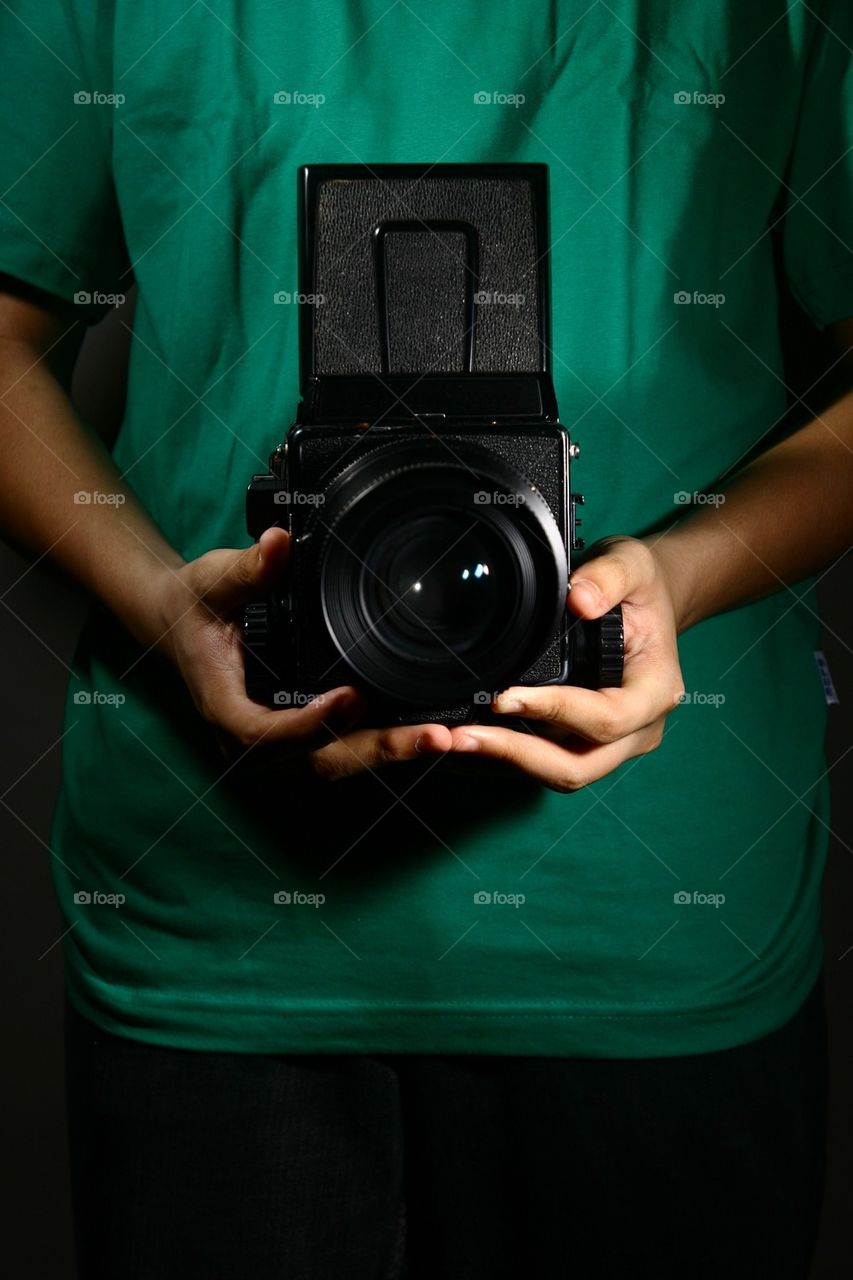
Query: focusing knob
(611,649)
(256,625)
(256,646)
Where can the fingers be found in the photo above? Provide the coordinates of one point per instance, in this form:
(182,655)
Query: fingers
(555,765)
(599,715)
(624,569)
(226,580)
(305,731)
(250,726)
(373,748)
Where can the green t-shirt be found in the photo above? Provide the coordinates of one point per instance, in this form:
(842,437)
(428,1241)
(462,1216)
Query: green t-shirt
(676,135)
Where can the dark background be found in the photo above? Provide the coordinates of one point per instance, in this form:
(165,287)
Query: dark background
(39,622)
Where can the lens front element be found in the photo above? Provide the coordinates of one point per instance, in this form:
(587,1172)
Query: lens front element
(429,594)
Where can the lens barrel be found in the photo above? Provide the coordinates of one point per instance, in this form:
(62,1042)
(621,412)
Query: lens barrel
(442,571)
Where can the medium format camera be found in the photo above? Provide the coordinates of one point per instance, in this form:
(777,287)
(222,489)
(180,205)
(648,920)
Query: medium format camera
(425,480)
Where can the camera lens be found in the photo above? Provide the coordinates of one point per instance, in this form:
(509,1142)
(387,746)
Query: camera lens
(438,578)
(442,572)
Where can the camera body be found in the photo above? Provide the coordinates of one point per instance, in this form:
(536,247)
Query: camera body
(425,482)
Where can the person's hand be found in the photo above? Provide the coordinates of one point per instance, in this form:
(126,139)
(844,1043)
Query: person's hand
(198,609)
(583,734)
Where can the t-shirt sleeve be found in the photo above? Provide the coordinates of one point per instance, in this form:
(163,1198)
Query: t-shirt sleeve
(818,226)
(60,228)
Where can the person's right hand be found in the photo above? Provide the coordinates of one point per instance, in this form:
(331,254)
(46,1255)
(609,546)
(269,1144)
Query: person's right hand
(199,607)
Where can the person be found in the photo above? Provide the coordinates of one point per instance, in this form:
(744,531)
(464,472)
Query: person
(332,1001)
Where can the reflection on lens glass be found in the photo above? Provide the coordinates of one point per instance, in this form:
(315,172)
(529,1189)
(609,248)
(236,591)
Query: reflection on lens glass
(439,582)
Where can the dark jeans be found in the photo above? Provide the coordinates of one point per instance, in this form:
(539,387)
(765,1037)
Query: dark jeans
(241,1167)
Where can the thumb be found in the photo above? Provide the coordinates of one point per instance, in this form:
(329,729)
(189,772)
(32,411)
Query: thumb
(624,568)
(234,578)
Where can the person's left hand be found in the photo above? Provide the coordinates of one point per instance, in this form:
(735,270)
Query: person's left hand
(584,734)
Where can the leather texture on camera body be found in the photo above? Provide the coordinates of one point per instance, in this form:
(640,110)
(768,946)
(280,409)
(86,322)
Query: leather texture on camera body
(428,322)
(427,278)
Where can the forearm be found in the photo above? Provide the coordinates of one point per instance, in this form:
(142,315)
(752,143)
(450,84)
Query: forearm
(786,515)
(48,457)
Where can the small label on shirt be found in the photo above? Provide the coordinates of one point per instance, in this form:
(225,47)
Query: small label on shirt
(825,678)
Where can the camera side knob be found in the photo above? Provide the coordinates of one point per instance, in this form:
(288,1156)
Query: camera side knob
(598,650)
(256,650)
(610,657)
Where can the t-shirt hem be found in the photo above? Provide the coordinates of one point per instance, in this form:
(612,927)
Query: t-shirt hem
(523,1030)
